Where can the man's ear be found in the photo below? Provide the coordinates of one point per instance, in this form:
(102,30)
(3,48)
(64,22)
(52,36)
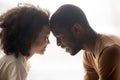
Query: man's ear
(76,29)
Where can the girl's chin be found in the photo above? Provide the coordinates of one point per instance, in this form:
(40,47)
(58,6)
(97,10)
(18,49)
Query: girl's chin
(42,52)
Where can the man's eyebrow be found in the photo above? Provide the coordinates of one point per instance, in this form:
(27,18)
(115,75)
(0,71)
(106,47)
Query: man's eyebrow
(58,35)
(55,33)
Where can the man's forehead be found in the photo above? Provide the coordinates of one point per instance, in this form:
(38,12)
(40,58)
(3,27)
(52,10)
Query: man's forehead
(58,27)
(56,30)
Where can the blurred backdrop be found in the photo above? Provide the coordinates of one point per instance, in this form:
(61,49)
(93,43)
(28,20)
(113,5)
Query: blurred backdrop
(56,64)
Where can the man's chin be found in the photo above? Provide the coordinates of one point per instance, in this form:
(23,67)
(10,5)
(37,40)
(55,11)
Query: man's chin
(73,53)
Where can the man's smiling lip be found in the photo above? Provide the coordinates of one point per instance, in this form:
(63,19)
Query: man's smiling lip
(66,48)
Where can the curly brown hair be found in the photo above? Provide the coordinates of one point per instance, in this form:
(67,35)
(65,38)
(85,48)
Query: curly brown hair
(20,28)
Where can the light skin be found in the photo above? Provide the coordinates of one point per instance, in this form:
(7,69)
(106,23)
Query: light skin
(41,42)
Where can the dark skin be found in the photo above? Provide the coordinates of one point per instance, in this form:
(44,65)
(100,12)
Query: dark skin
(73,40)
(73,32)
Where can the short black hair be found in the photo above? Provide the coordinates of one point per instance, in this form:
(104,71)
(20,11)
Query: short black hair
(20,28)
(67,15)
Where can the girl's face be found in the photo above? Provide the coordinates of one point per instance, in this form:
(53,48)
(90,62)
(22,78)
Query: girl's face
(41,42)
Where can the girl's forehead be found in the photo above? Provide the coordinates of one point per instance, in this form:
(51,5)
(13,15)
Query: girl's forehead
(45,30)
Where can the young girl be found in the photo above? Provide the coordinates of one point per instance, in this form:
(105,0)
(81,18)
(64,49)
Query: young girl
(25,31)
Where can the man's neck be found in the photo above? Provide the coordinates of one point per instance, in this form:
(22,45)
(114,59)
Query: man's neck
(90,44)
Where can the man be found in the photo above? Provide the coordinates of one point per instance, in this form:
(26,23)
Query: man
(101,56)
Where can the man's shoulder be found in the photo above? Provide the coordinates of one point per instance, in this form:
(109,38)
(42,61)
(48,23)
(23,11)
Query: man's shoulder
(111,37)
(109,40)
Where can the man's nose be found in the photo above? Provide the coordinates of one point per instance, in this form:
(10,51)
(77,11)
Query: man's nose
(58,42)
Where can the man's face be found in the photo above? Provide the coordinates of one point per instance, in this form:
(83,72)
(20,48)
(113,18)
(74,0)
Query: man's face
(66,40)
